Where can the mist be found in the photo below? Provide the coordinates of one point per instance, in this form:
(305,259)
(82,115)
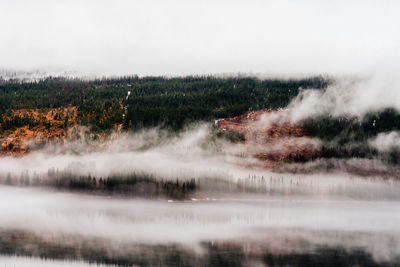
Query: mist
(56,215)
(351,96)
(217,165)
(354,42)
(238,202)
(386,141)
(198,37)
(29,262)
(156,197)
(190,154)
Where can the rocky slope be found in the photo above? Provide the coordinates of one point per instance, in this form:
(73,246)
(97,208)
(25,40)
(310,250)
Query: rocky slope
(31,128)
(270,136)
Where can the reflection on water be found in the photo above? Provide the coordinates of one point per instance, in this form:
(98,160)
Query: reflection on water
(189,200)
(288,251)
(328,221)
(214,255)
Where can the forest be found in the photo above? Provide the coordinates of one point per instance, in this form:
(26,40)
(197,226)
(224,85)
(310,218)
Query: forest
(153,101)
(136,102)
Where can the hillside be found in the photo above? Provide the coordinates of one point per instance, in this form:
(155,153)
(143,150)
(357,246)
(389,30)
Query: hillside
(274,140)
(59,110)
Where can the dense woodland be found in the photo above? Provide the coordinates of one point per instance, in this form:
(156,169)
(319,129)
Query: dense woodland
(348,136)
(153,101)
(175,102)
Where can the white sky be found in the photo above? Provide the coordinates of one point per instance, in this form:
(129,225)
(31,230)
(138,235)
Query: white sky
(169,37)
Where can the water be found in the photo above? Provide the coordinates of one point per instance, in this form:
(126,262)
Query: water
(339,221)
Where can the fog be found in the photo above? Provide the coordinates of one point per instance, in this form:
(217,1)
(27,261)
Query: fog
(179,37)
(270,219)
(355,42)
(196,153)
(238,200)
(11,261)
(191,154)
(386,141)
(350,96)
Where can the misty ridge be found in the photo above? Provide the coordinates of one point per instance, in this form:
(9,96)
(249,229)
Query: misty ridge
(176,162)
(306,176)
(199,133)
(150,164)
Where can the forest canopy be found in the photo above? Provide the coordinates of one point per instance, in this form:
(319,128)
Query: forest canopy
(153,101)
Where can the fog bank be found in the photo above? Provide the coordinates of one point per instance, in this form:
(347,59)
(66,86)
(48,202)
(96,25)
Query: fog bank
(178,37)
(350,96)
(270,220)
(11,261)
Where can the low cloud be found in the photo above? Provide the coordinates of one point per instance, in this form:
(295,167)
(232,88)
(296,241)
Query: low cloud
(178,37)
(191,154)
(352,97)
(386,141)
(272,219)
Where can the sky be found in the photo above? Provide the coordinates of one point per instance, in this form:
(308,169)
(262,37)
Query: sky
(179,37)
